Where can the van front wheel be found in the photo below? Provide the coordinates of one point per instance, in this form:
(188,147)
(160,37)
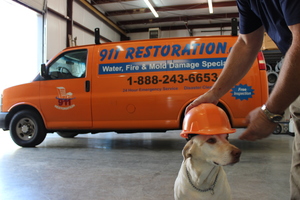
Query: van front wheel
(27,129)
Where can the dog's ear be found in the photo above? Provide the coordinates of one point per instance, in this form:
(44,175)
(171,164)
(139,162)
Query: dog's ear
(186,152)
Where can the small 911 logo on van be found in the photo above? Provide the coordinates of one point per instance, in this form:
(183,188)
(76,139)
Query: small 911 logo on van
(64,99)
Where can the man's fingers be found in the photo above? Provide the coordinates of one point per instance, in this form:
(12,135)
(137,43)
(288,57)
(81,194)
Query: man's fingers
(189,107)
(248,136)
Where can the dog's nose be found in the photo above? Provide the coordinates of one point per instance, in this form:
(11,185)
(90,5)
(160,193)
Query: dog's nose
(236,153)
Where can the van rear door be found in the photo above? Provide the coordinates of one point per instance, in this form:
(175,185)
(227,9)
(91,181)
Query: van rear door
(65,96)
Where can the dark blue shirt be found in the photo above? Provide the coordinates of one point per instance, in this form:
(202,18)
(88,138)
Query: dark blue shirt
(274,15)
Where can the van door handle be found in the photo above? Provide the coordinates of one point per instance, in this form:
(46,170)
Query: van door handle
(87,86)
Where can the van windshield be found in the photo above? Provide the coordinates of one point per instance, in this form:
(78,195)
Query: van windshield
(71,64)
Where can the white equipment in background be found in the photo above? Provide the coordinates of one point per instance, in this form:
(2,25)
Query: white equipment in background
(278,66)
(272,75)
(286,125)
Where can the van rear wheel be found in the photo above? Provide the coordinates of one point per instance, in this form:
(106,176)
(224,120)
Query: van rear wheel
(27,129)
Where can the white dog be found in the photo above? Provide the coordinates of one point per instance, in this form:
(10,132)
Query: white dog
(201,175)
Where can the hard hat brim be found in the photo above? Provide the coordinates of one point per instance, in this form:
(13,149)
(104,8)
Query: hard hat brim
(185,134)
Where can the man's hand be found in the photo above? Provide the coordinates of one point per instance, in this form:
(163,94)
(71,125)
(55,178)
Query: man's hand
(208,97)
(259,126)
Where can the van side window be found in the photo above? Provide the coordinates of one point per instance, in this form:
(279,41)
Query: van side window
(71,64)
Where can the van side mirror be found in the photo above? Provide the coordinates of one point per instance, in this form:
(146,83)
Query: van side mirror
(44,73)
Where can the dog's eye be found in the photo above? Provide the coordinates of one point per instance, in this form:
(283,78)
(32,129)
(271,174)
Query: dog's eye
(227,137)
(211,140)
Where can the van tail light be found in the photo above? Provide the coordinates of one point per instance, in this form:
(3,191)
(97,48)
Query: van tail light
(1,98)
(261,61)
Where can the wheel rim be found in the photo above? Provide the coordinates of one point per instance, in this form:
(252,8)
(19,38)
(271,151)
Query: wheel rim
(25,129)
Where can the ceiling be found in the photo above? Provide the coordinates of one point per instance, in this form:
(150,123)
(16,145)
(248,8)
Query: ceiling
(134,15)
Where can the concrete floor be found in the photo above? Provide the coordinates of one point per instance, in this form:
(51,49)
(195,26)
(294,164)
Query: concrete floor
(141,166)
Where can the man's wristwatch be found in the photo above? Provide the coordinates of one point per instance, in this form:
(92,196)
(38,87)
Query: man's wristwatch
(271,116)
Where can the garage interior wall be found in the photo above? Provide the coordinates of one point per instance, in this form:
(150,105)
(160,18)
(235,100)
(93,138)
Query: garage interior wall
(31,37)
(183,33)
(21,43)
(89,20)
(57,31)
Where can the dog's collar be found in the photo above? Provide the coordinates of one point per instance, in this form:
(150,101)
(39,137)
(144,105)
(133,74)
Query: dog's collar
(211,188)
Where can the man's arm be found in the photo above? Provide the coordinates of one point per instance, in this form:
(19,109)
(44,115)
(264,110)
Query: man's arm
(284,93)
(238,63)
(287,87)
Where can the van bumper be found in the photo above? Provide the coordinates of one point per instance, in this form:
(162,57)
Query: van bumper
(3,123)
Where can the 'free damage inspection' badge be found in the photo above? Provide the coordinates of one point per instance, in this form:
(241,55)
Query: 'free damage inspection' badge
(242,92)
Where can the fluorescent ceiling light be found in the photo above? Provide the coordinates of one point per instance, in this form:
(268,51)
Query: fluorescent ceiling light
(210,6)
(151,8)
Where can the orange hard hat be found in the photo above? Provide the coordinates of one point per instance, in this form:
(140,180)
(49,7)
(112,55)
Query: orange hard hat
(206,119)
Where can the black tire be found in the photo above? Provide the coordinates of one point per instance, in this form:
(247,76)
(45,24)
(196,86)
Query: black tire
(277,130)
(27,129)
(67,134)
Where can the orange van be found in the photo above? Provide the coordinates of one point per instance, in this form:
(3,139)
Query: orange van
(127,86)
